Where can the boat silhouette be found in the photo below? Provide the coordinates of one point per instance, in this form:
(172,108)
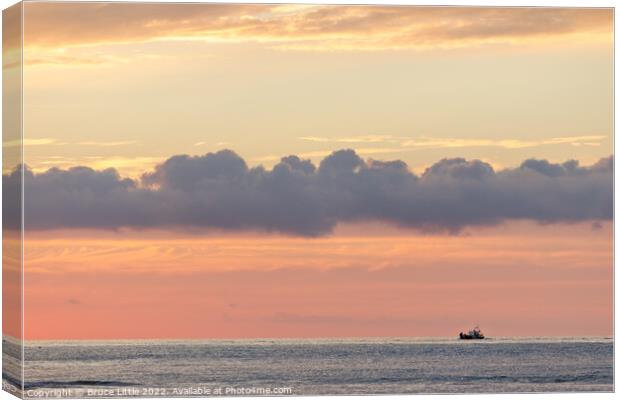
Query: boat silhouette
(475,333)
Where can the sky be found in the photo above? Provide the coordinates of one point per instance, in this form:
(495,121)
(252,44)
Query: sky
(126,85)
(229,171)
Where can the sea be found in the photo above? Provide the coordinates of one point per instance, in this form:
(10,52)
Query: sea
(265,367)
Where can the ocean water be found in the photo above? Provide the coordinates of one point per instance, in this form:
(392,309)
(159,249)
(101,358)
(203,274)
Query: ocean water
(313,367)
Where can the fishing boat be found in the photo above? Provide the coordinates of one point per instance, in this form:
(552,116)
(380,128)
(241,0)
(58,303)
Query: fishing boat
(475,333)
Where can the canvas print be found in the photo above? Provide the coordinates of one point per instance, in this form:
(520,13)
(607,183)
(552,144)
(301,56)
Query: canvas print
(205,199)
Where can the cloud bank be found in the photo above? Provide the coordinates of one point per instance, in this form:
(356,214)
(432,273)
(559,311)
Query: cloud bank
(219,191)
(324,27)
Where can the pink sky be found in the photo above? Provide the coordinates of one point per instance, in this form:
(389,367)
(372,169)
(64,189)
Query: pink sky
(163,89)
(518,279)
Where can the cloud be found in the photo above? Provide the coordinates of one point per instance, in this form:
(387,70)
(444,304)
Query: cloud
(351,139)
(503,143)
(439,143)
(73,60)
(30,142)
(219,144)
(131,166)
(303,27)
(220,191)
(460,169)
(364,151)
(108,144)
(52,141)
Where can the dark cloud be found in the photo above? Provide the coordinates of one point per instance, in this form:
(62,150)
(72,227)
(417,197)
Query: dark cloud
(546,168)
(459,168)
(341,162)
(297,164)
(218,190)
(189,173)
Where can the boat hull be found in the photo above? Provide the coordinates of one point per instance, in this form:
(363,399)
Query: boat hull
(464,336)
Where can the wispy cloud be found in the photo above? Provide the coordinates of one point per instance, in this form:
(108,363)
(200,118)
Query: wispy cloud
(108,144)
(39,142)
(303,27)
(217,144)
(56,142)
(81,57)
(351,139)
(72,60)
(430,142)
(408,143)
(31,142)
(128,166)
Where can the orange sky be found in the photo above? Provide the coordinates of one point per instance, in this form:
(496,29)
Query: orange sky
(519,279)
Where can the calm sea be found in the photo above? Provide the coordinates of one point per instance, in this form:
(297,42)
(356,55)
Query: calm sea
(310,367)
